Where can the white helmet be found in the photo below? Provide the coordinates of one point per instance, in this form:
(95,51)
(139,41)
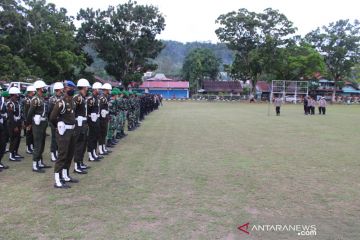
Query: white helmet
(39,84)
(31,88)
(97,85)
(58,86)
(83,83)
(14,90)
(106,86)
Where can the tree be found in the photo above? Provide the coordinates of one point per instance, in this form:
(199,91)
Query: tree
(43,37)
(298,62)
(11,67)
(339,44)
(200,64)
(255,38)
(125,38)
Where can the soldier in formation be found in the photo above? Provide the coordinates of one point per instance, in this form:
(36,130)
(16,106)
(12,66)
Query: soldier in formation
(79,122)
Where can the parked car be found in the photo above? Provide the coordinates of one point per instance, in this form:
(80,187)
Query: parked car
(292,99)
(21,85)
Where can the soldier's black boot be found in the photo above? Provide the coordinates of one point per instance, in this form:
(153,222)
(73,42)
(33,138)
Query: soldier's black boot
(78,169)
(101,151)
(118,136)
(84,166)
(53,156)
(98,157)
(104,148)
(109,144)
(91,157)
(36,168)
(67,178)
(59,183)
(41,164)
(115,141)
(13,158)
(2,166)
(17,155)
(123,133)
(29,149)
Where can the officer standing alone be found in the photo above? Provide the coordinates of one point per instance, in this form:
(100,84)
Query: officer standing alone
(277,103)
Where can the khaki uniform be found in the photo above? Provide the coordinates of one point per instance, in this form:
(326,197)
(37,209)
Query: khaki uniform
(28,128)
(64,112)
(104,119)
(94,123)
(37,116)
(14,123)
(53,145)
(81,128)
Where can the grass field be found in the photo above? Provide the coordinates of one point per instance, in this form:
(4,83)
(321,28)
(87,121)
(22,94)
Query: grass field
(198,171)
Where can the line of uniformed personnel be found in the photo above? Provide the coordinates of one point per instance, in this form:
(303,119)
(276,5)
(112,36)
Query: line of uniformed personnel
(80,123)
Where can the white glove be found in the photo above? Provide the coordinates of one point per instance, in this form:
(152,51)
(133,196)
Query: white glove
(61,128)
(103,113)
(37,119)
(79,121)
(94,117)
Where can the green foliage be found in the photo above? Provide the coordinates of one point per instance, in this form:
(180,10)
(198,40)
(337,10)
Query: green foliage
(298,62)
(41,40)
(171,58)
(256,39)
(200,64)
(124,37)
(339,44)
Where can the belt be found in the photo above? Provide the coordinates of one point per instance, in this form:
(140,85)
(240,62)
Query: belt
(67,127)
(43,119)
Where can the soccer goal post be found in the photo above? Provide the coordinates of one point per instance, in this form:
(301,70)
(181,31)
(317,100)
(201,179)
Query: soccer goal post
(290,91)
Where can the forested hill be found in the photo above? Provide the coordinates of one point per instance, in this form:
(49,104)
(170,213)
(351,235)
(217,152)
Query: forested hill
(171,58)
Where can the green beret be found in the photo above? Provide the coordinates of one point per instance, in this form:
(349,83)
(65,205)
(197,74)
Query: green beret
(5,94)
(114,92)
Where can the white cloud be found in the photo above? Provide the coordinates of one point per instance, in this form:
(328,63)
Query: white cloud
(190,20)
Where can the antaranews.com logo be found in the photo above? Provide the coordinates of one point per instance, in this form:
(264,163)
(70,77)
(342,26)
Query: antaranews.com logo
(298,229)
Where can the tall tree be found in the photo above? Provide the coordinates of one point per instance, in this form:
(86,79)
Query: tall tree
(43,37)
(125,38)
(298,62)
(339,44)
(255,38)
(200,64)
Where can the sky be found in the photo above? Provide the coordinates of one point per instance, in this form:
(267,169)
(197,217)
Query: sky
(194,20)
